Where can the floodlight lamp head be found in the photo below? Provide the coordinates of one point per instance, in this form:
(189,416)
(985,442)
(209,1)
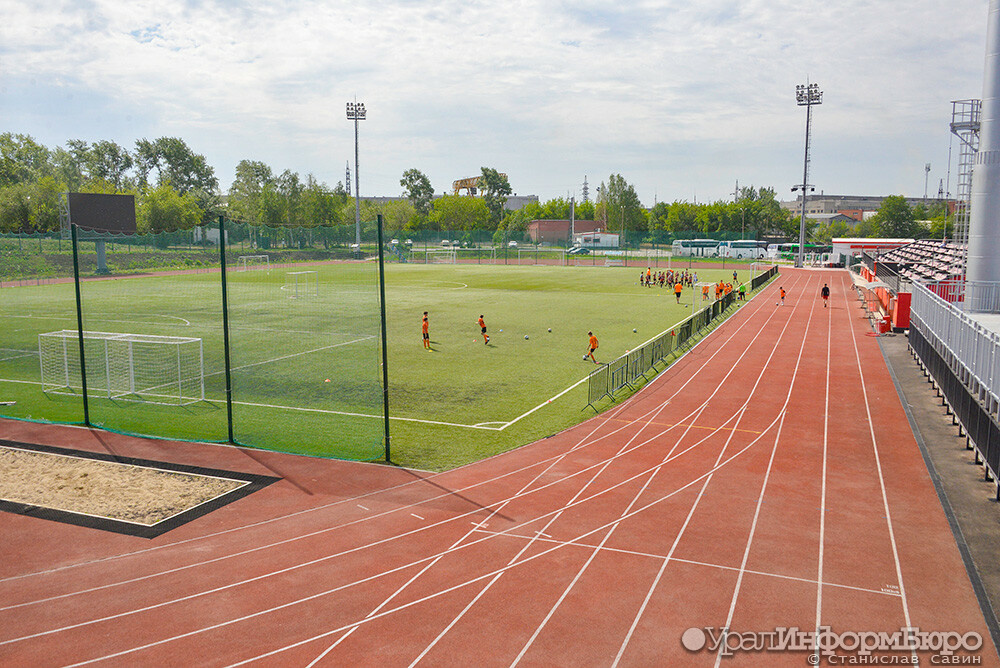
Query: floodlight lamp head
(355,111)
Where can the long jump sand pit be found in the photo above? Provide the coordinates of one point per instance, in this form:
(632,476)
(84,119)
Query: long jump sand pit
(112,493)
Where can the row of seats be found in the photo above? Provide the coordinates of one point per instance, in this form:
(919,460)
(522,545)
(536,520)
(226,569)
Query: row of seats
(927,260)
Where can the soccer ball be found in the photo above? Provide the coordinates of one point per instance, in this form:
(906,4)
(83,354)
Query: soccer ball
(584,358)
(550,330)
(525,337)
(634,331)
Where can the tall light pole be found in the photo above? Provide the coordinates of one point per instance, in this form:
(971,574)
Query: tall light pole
(356,112)
(806,96)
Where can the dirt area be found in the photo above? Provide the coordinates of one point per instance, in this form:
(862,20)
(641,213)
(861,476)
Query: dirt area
(106,489)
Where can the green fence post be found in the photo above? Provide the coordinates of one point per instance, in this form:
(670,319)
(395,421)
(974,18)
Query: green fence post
(385,354)
(225,330)
(79,327)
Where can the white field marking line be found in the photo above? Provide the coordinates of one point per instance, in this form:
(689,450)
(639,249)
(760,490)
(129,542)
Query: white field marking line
(91,319)
(822,497)
(469,532)
(697,502)
(767,477)
(324,411)
(388,572)
(174,317)
(298,354)
(364,415)
(652,415)
(739,413)
(23,354)
(396,569)
(554,460)
(706,564)
(881,481)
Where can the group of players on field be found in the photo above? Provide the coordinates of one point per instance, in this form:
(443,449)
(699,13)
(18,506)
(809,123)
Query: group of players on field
(721,289)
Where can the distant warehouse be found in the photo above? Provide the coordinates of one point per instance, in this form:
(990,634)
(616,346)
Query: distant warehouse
(558,231)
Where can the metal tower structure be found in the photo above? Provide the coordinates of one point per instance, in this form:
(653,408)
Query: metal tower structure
(965,115)
(586,189)
(347,181)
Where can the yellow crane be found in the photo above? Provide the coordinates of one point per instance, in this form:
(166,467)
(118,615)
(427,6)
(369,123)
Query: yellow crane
(470,184)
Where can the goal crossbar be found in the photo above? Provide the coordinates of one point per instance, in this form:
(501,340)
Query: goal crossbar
(146,368)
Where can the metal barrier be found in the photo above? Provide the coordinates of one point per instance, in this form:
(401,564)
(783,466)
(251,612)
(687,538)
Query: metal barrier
(626,370)
(969,349)
(974,417)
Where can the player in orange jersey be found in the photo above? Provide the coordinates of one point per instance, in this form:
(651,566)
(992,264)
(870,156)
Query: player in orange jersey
(592,343)
(425,327)
(482,326)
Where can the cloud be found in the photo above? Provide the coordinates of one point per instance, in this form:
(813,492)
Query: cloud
(673,95)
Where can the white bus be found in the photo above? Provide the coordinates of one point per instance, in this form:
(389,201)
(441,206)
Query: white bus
(697,247)
(744,249)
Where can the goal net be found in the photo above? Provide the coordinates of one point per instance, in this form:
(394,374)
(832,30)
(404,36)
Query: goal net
(247,262)
(301,284)
(440,256)
(131,367)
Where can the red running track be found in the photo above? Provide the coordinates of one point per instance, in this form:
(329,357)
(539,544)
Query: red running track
(767,480)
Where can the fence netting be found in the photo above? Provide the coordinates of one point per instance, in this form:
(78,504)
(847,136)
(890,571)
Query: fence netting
(303,323)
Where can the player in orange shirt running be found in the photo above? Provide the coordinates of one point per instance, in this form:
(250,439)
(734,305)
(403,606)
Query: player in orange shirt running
(425,327)
(482,325)
(592,343)
(677,291)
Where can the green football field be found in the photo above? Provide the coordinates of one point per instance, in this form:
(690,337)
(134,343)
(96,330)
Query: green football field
(305,361)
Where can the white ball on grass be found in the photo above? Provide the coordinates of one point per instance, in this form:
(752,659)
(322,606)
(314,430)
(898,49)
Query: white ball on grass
(525,337)
(550,330)
(634,330)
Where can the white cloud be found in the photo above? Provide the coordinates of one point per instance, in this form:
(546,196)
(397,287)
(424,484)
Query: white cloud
(676,96)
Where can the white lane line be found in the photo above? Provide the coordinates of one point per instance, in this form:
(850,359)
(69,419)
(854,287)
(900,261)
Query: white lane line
(822,497)
(763,489)
(706,564)
(881,482)
(417,516)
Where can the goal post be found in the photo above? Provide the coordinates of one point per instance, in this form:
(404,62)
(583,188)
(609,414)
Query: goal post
(248,262)
(302,284)
(168,370)
(440,256)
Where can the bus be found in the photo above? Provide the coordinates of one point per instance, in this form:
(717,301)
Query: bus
(791,251)
(696,247)
(743,249)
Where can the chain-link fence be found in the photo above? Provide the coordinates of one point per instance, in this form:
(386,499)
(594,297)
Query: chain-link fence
(135,339)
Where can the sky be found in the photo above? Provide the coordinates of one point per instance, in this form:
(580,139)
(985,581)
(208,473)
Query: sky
(683,98)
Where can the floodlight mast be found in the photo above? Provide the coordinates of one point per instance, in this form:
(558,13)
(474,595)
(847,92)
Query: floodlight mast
(806,96)
(356,112)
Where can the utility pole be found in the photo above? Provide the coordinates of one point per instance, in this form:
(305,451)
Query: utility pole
(806,96)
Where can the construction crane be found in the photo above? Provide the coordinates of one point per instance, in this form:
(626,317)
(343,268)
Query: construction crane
(470,184)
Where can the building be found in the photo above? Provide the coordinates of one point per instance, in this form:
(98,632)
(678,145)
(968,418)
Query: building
(514,202)
(558,231)
(853,206)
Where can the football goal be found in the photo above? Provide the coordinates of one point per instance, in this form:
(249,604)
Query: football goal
(166,370)
(301,284)
(248,262)
(440,256)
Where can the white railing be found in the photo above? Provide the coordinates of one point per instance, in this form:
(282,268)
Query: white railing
(970,349)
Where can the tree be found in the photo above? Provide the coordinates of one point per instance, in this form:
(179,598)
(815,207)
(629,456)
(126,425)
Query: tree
(456,212)
(495,188)
(419,190)
(625,212)
(247,189)
(176,164)
(22,159)
(894,219)
(163,209)
(107,161)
